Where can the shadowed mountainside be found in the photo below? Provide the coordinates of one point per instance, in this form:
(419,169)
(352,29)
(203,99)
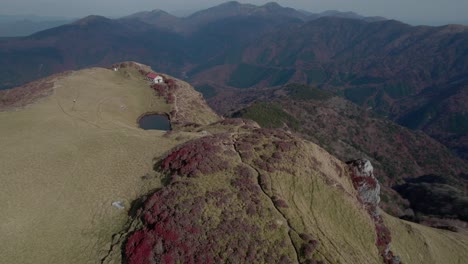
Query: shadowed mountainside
(414,75)
(349,131)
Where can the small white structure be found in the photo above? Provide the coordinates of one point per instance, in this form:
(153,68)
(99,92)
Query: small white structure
(119,205)
(115,69)
(158,79)
(155,77)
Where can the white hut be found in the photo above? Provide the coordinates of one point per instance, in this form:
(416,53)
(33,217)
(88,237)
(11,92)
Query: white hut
(156,78)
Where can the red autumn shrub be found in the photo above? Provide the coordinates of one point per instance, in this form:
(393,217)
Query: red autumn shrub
(281,203)
(284,146)
(140,247)
(170,98)
(160,89)
(360,181)
(197,157)
(383,236)
(244,172)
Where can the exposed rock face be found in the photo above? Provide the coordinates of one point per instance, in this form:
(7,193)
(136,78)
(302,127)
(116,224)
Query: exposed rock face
(365,182)
(362,174)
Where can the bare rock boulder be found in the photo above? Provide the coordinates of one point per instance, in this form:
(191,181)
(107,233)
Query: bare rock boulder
(365,183)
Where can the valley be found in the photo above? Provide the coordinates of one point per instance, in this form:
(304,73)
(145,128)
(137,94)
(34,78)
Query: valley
(415,76)
(238,134)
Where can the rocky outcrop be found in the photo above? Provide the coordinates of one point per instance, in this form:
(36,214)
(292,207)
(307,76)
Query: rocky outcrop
(368,187)
(365,182)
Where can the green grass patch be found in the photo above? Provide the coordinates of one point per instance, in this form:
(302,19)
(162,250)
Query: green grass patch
(316,76)
(288,57)
(205,66)
(307,92)
(336,82)
(269,115)
(308,56)
(381,103)
(264,57)
(247,75)
(419,118)
(359,94)
(233,55)
(281,77)
(366,80)
(398,90)
(341,78)
(458,123)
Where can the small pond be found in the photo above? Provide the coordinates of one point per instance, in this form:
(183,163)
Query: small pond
(154,122)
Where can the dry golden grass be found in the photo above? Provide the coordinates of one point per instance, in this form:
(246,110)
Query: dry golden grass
(63,163)
(191,107)
(323,204)
(421,244)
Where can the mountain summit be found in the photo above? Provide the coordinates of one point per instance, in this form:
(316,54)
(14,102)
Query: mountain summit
(209,190)
(93,19)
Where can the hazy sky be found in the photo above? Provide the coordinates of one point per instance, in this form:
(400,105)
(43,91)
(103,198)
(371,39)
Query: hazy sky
(422,11)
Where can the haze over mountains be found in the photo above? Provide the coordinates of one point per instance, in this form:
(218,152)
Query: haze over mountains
(15,26)
(414,75)
(23,25)
(314,119)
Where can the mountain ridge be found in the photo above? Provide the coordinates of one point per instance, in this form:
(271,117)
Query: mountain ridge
(409,74)
(348,132)
(205,178)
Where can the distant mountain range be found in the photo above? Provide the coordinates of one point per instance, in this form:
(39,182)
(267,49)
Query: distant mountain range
(24,25)
(191,23)
(416,76)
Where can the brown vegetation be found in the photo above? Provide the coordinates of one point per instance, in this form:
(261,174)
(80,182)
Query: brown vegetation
(28,93)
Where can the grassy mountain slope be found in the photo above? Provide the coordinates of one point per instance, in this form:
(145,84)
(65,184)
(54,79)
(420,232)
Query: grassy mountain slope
(73,148)
(293,207)
(296,202)
(65,162)
(348,131)
(421,244)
